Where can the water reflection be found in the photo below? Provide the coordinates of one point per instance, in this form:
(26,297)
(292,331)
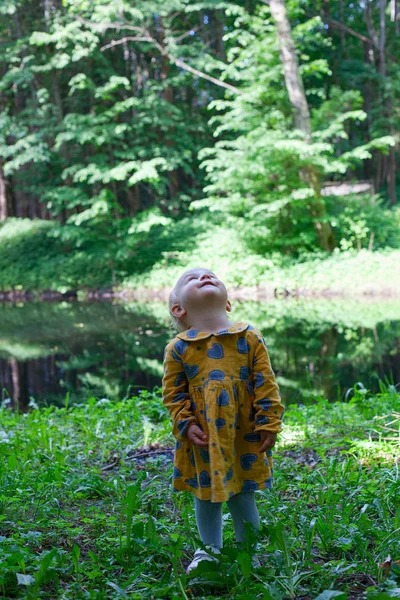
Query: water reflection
(49,350)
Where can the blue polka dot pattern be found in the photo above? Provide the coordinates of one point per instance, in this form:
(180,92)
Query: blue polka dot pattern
(242,346)
(205,480)
(258,380)
(180,378)
(205,455)
(177,473)
(216,375)
(180,346)
(193,482)
(235,392)
(175,356)
(223,398)
(245,373)
(252,437)
(192,333)
(236,421)
(219,423)
(191,370)
(264,403)
(216,351)
(182,426)
(249,485)
(247,460)
(179,397)
(268,483)
(263,420)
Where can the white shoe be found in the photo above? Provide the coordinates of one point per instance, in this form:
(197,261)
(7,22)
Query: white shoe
(200,555)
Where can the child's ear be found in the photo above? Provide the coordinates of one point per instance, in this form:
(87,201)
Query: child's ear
(228,306)
(178,311)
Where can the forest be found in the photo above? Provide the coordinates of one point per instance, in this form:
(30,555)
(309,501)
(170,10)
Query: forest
(255,138)
(129,128)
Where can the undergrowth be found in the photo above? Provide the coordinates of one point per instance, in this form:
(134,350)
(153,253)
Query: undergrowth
(86,510)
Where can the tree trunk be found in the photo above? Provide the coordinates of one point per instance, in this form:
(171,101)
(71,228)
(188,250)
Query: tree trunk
(294,83)
(390,160)
(368,95)
(386,164)
(301,113)
(3,195)
(219,23)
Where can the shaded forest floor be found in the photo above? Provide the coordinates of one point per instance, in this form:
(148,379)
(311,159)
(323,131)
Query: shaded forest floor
(86,510)
(43,259)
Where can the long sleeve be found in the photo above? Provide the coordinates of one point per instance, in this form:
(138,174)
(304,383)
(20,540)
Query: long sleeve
(175,393)
(268,409)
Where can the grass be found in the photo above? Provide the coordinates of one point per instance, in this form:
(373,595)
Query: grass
(151,253)
(86,510)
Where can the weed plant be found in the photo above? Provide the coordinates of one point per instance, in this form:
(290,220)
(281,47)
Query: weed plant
(86,510)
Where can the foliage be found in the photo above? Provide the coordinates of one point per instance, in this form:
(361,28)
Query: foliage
(81,115)
(151,251)
(108,110)
(257,164)
(82,517)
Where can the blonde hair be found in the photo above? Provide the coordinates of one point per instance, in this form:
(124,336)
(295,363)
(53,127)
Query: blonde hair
(174,322)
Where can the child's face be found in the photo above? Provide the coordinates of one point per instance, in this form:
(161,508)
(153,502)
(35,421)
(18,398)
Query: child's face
(198,289)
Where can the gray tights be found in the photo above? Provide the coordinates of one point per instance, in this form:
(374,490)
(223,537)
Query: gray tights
(242,507)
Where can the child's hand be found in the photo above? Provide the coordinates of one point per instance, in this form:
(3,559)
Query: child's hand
(197,436)
(268,440)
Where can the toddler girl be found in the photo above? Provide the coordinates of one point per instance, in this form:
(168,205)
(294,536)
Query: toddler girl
(225,407)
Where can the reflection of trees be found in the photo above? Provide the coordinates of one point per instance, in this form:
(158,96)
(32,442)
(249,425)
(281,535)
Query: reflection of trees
(47,350)
(19,378)
(22,379)
(326,363)
(318,346)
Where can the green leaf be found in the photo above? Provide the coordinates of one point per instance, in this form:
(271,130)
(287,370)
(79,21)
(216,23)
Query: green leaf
(329,594)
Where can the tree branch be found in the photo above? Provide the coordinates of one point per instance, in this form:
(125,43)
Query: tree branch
(125,39)
(370,25)
(349,30)
(104,26)
(183,65)
(146,37)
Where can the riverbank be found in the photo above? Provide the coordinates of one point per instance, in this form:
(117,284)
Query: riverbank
(46,261)
(86,510)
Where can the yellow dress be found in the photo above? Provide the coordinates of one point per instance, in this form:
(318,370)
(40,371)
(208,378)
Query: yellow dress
(224,383)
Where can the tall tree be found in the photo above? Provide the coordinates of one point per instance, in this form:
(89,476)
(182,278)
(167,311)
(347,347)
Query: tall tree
(298,100)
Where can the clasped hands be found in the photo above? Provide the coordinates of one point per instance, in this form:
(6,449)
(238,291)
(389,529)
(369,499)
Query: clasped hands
(199,438)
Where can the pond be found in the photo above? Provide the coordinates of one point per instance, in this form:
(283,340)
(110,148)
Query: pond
(51,352)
